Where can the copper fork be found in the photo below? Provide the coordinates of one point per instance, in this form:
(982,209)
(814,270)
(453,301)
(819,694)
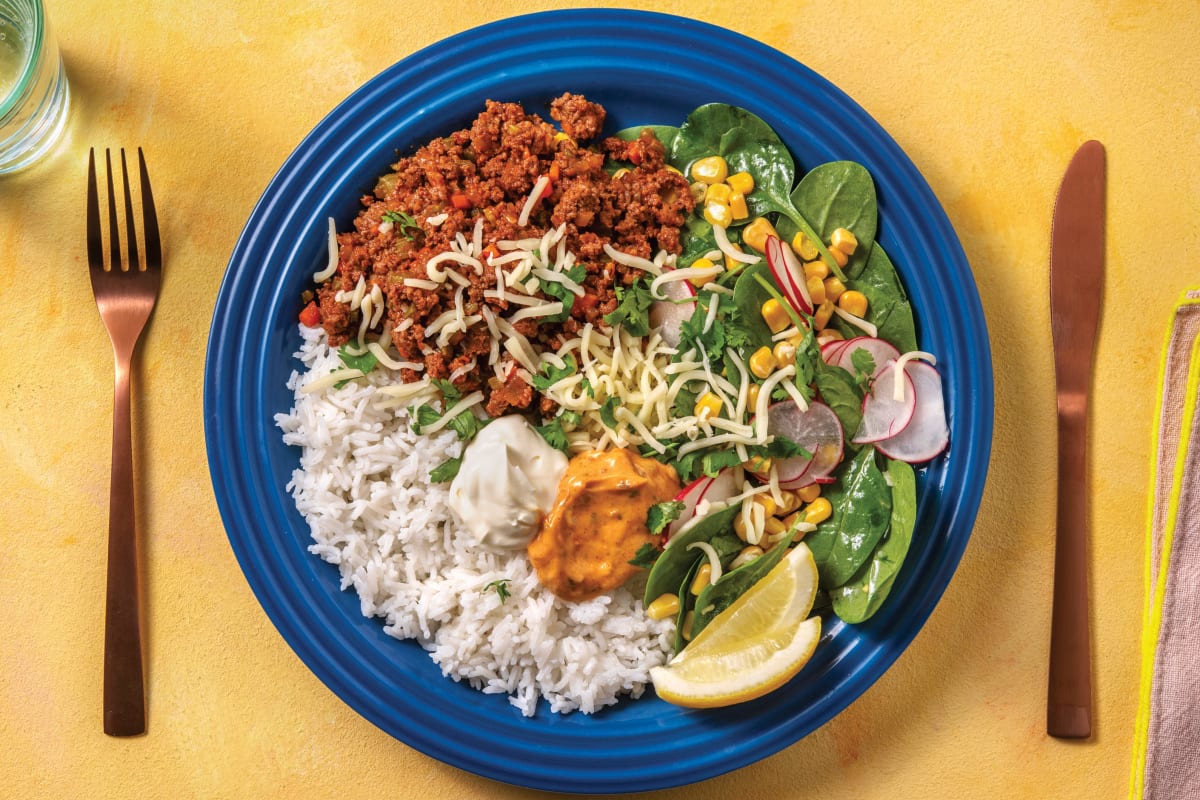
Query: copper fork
(125,292)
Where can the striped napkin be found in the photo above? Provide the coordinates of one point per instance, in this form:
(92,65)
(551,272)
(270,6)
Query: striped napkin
(1167,737)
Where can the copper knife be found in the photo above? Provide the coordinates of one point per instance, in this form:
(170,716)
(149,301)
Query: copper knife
(1076,294)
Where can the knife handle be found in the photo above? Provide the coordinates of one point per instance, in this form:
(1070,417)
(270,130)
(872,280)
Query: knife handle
(1069,710)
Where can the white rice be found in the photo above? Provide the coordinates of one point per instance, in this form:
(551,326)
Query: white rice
(363,487)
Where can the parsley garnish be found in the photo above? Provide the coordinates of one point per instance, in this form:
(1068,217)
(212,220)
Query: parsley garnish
(501,587)
(364,362)
(633,308)
(864,365)
(405,224)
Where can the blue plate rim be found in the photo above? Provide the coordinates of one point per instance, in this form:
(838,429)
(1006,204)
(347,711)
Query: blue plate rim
(252,507)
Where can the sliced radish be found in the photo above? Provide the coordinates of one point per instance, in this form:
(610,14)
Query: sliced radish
(831,350)
(881,352)
(926,434)
(817,430)
(689,496)
(668,316)
(791,285)
(702,490)
(883,416)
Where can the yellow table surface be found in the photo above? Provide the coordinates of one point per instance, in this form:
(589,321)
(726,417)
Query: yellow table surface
(988,99)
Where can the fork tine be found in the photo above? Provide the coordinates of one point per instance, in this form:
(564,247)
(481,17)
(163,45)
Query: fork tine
(131,245)
(149,219)
(95,246)
(114,232)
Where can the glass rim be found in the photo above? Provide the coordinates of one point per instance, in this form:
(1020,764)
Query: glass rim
(32,58)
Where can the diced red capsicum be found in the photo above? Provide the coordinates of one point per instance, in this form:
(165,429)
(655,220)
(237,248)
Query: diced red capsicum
(460,201)
(310,315)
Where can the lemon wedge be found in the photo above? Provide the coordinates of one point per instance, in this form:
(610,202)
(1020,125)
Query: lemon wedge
(754,646)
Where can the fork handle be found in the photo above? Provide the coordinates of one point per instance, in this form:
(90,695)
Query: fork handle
(124,694)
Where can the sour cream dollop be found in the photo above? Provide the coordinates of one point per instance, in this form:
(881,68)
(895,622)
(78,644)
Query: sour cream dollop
(506,484)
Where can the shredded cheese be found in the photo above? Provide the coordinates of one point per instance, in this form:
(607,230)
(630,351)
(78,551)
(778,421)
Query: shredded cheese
(729,250)
(331,266)
(714,560)
(539,186)
(898,386)
(858,322)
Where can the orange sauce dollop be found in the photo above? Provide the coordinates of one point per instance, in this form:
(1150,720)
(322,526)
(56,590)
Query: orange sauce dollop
(598,522)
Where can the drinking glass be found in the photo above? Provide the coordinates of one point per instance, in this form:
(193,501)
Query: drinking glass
(33,85)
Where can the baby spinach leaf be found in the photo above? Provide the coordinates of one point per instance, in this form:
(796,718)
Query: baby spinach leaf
(687,600)
(446,471)
(748,297)
(842,393)
(838,194)
(859,599)
(665,134)
(862,505)
(887,302)
(716,597)
(676,559)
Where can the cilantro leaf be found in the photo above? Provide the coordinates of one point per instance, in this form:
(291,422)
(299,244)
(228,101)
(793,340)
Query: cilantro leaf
(633,308)
(405,224)
(446,471)
(555,432)
(646,555)
(864,365)
(550,374)
(501,587)
(423,416)
(663,514)
(364,362)
(560,292)
(608,412)
(450,392)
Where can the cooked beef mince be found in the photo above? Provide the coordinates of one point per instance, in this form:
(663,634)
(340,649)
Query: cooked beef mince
(487,171)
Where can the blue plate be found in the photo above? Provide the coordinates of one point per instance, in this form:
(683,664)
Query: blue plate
(644,68)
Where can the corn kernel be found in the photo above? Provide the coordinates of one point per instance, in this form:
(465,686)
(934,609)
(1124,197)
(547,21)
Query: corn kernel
(818,511)
(844,240)
(773,526)
(701,263)
(853,302)
(804,247)
(816,269)
(667,605)
(707,406)
(686,629)
(816,289)
(823,314)
(790,520)
(752,396)
(739,527)
(767,502)
(758,465)
(745,556)
(755,234)
(829,335)
(741,182)
(696,189)
(718,193)
(737,204)
(703,578)
(621,173)
(807,494)
(838,256)
(718,214)
(560,136)
(763,363)
(834,288)
(784,352)
(710,170)
(775,315)
(790,503)
(669,168)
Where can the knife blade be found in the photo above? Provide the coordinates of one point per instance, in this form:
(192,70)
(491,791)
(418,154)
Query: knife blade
(1076,295)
